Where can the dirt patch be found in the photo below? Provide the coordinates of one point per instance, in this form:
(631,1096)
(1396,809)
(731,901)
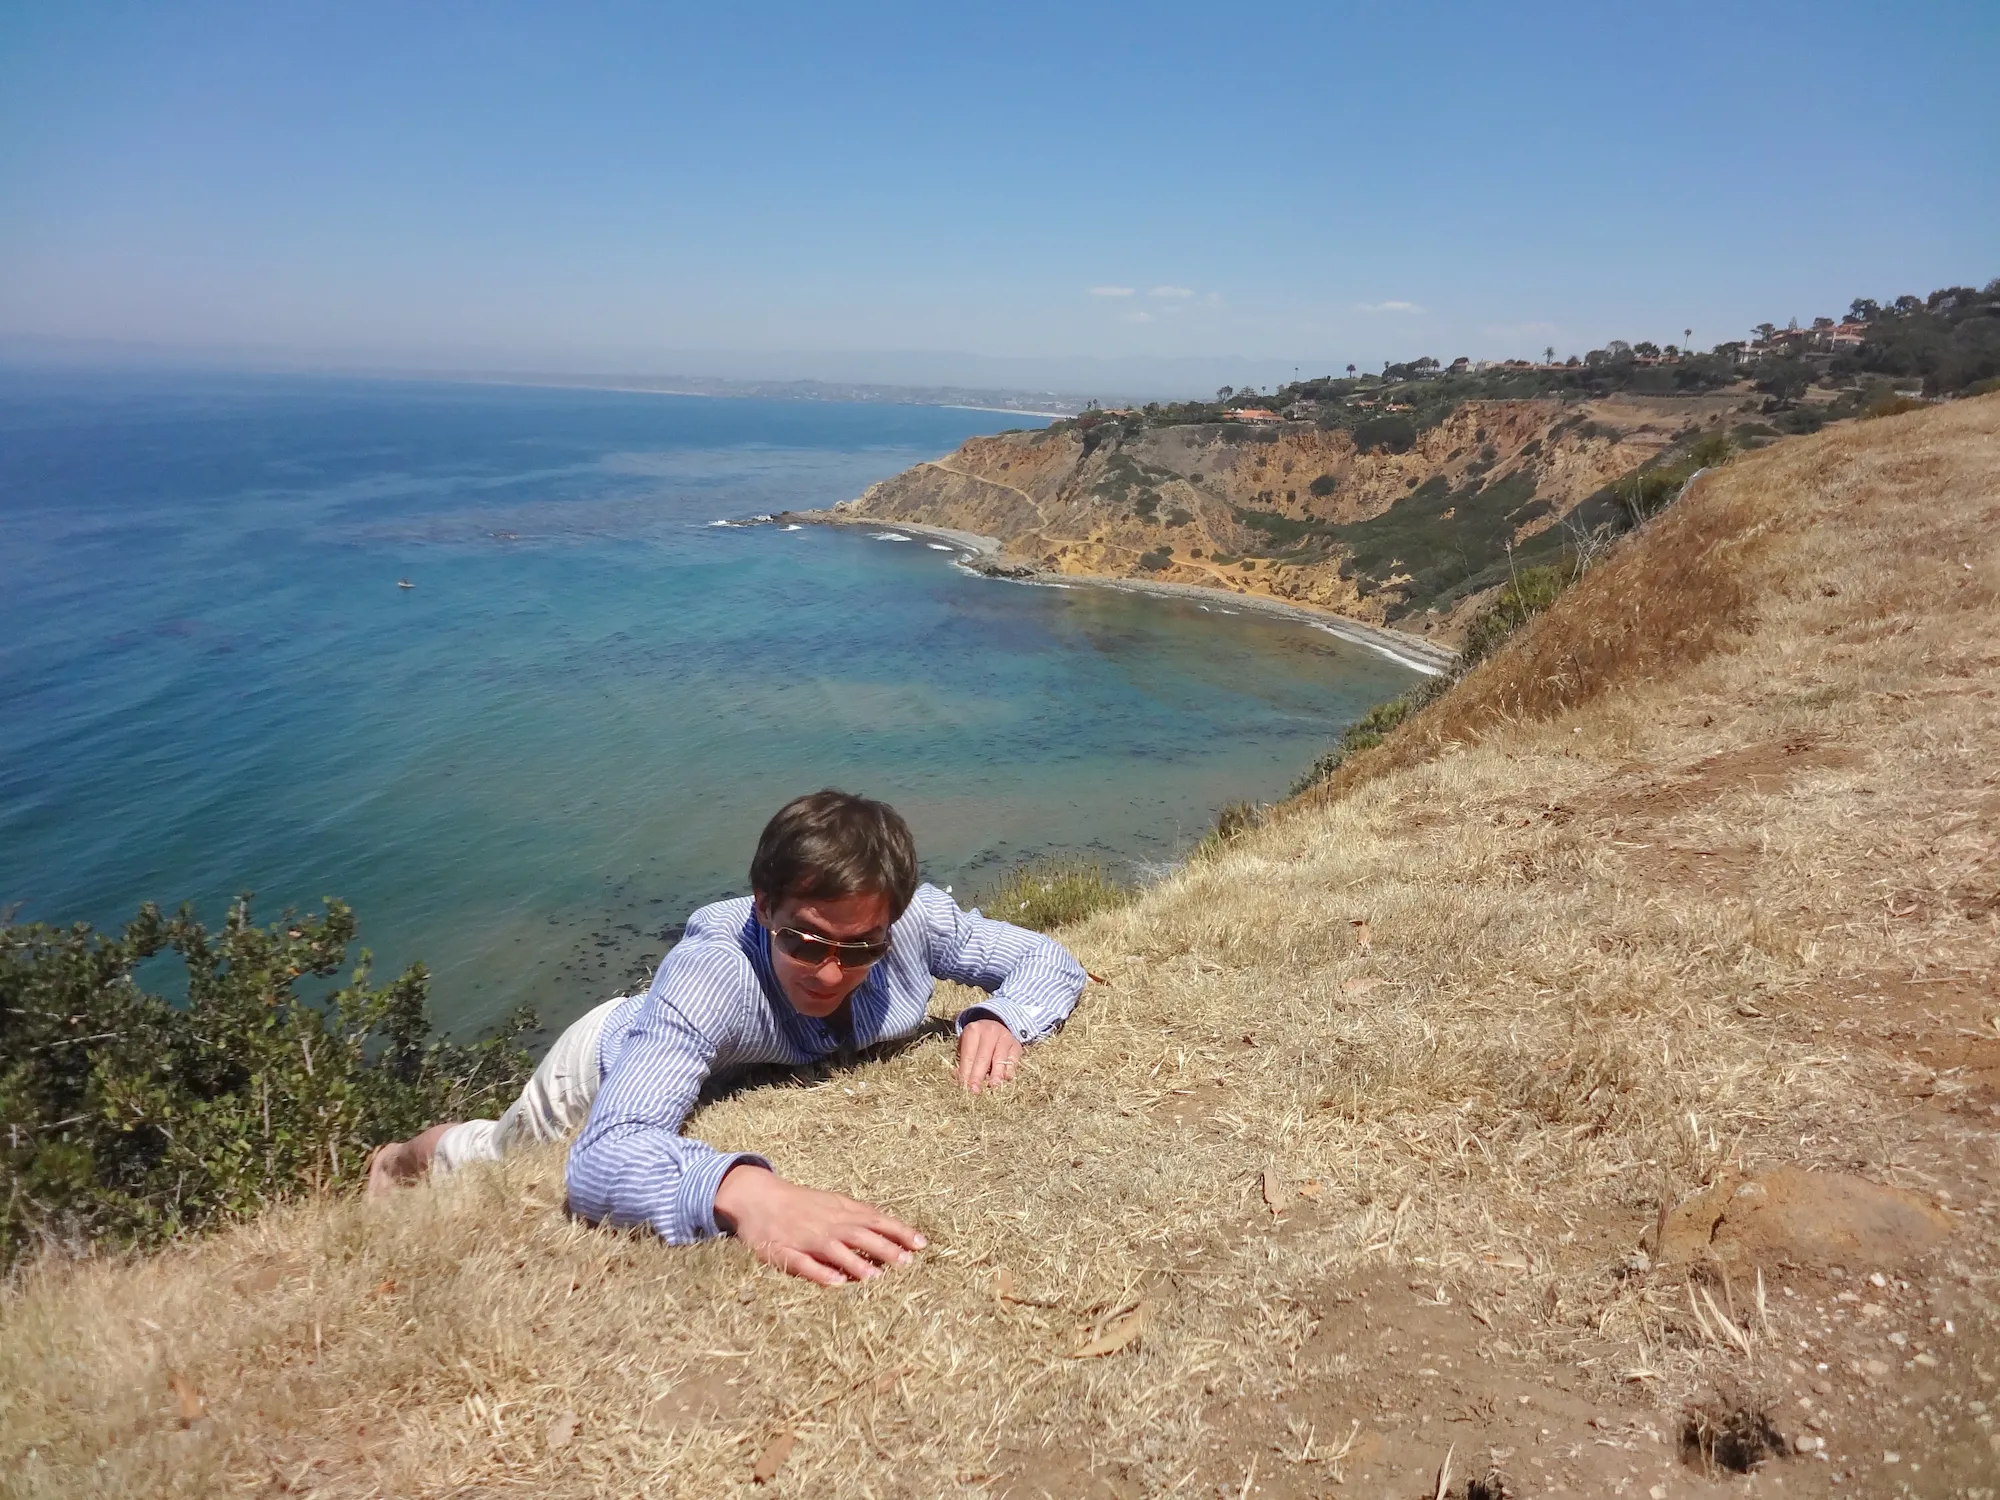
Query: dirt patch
(699,1399)
(1800,1218)
(1762,770)
(1061,1474)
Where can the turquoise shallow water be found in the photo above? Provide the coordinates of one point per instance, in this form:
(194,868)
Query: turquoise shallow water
(525,769)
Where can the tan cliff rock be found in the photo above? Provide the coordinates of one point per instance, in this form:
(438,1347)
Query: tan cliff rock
(1271,510)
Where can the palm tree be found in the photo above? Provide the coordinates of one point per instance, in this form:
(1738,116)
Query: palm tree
(1686,335)
(1549,355)
(1350,372)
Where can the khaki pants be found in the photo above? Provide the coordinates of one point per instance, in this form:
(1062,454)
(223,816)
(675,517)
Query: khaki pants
(552,1104)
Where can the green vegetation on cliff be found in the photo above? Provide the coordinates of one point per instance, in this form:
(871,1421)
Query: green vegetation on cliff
(127,1117)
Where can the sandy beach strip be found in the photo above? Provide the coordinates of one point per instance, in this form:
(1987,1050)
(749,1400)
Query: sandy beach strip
(1414,652)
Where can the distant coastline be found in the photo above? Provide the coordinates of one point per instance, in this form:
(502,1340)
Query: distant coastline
(1047,405)
(1410,651)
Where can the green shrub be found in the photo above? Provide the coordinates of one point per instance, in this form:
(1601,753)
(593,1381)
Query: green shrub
(1371,729)
(1158,558)
(1712,451)
(127,1118)
(1049,893)
(1391,433)
(1644,493)
(1890,406)
(1533,591)
(1325,485)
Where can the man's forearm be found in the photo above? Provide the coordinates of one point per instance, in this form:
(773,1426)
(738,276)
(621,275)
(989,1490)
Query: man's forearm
(639,1174)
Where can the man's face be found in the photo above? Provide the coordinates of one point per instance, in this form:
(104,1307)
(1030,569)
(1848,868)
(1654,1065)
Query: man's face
(817,989)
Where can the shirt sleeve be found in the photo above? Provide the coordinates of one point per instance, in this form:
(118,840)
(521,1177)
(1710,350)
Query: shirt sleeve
(632,1165)
(1032,982)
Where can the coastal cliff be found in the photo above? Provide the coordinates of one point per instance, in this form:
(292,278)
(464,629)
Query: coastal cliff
(1387,534)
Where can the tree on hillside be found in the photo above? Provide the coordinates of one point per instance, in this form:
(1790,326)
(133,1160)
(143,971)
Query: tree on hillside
(1223,393)
(1864,309)
(1549,355)
(1785,379)
(1687,338)
(1765,332)
(1350,372)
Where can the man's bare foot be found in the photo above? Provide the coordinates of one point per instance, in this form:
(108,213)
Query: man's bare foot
(403,1163)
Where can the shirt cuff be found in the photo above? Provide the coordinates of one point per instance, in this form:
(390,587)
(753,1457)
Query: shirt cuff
(699,1183)
(998,1008)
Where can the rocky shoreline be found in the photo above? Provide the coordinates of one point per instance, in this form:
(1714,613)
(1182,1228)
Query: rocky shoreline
(986,555)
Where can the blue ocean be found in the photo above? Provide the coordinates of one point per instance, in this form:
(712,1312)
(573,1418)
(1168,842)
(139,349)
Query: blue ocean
(525,768)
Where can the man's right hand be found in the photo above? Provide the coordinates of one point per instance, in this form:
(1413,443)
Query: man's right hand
(821,1236)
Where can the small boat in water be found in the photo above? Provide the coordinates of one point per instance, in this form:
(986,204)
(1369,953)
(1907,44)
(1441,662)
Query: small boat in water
(404,583)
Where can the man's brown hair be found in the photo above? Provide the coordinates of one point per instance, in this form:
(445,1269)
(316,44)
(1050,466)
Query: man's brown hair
(832,844)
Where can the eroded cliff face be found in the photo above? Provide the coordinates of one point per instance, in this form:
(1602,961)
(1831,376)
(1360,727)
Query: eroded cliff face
(1288,510)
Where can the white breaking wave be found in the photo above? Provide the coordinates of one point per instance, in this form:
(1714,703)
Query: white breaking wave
(890,536)
(794,526)
(940,547)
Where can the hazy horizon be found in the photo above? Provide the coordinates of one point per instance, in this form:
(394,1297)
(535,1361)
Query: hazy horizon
(1154,377)
(1073,199)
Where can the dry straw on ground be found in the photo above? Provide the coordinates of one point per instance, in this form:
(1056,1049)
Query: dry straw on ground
(1615,890)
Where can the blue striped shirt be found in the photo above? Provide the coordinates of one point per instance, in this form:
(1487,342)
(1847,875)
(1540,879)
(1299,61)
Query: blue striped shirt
(715,1005)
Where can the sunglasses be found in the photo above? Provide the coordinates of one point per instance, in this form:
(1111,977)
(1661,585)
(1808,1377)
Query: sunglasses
(815,951)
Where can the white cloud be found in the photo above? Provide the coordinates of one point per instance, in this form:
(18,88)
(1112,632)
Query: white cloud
(1392,307)
(1137,315)
(1173,291)
(1111,291)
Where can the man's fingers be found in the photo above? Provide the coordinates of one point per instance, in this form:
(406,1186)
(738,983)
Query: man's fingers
(841,1258)
(974,1050)
(898,1231)
(1006,1053)
(798,1263)
(877,1247)
(976,1055)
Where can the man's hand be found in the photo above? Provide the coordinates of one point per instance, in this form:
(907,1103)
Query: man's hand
(987,1053)
(822,1237)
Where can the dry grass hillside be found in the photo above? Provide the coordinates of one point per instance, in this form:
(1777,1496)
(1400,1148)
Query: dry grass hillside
(1288,510)
(1600,1090)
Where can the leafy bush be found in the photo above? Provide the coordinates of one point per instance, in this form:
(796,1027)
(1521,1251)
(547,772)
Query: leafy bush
(1533,591)
(1391,433)
(1325,485)
(1158,558)
(126,1118)
(1644,493)
(1049,893)
(1371,729)
(1890,406)
(1711,451)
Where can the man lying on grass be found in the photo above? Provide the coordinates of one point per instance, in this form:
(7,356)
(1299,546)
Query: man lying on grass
(837,949)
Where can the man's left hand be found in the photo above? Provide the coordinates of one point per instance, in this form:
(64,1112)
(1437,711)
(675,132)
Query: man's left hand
(987,1054)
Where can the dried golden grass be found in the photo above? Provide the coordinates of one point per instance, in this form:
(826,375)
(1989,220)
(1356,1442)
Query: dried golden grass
(1544,1033)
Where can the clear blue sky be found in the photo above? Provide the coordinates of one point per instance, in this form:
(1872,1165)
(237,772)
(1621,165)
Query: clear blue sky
(614,185)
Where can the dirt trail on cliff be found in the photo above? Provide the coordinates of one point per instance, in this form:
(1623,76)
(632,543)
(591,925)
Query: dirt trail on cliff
(1601,1090)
